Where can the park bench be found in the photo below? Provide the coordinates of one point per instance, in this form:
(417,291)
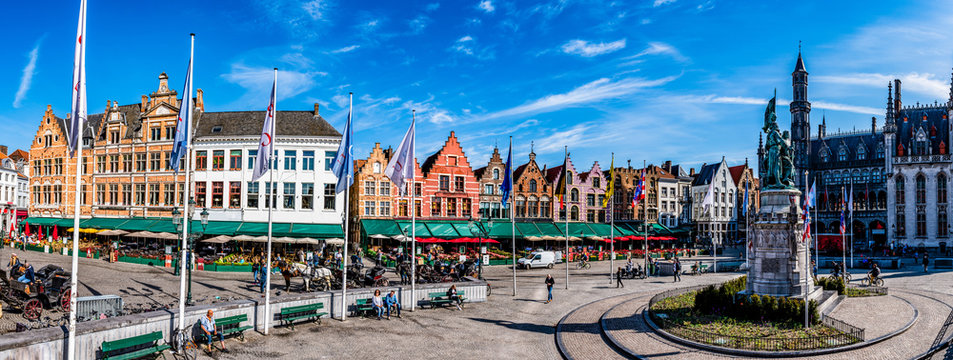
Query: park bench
(233,325)
(364,307)
(291,314)
(134,347)
(440,298)
(943,263)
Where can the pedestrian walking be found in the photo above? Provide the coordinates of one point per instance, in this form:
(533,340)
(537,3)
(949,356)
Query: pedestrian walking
(926,261)
(678,270)
(618,278)
(255,269)
(549,287)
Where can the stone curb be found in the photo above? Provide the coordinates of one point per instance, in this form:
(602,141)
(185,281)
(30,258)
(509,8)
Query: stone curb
(779,354)
(949,337)
(559,342)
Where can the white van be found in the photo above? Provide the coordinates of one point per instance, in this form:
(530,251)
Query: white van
(538,259)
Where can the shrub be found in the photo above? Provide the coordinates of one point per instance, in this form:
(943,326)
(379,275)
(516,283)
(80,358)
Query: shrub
(725,300)
(832,283)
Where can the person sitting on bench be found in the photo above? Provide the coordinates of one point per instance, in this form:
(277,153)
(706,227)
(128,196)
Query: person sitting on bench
(208,327)
(392,303)
(452,295)
(28,276)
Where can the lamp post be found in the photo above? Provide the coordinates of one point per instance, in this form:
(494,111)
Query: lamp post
(477,227)
(177,221)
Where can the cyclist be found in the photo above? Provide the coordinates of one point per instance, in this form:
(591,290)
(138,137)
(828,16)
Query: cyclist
(874,273)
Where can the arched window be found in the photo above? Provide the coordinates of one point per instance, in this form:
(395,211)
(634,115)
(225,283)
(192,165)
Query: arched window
(842,154)
(941,189)
(377,168)
(861,153)
(921,224)
(900,198)
(856,177)
(942,226)
(574,213)
(921,188)
(825,155)
(496,174)
(573,195)
(568,178)
(596,182)
(880,151)
(901,224)
(865,176)
(532,185)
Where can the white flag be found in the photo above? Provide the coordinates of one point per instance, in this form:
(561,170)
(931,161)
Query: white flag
(267,143)
(709,196)
(401,166)
(78,110)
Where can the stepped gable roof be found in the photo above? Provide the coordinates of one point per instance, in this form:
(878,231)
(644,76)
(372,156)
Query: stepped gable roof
(430,161)
(705,175)
(737,172)
(249,123)
(478,173)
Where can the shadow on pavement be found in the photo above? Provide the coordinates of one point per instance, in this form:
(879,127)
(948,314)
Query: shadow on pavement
(543,329)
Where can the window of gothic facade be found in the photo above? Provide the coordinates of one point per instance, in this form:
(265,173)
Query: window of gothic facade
(941,189)
(842,154)
(901,223)
(941,224)
(921,189)
(921,224)
(900,198)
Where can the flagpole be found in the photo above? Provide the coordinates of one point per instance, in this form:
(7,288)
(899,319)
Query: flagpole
(79,113)
(807,260)
(565,181)
(347,190)
(272,202)
(645,216)
(843,236)
(512,215)
(413,212)
(186,98)
(611,222)
(851,227)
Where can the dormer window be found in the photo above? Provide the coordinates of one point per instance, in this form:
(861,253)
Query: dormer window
(842,154)
(216,129)
(880,151)
(861,153)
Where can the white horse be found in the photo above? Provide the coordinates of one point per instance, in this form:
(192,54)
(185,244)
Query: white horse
(310,273)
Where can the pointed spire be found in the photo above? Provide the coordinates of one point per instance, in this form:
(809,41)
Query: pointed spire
(800,62)
(950,102)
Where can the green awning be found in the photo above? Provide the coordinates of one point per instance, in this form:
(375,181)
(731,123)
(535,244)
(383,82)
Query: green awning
(622,230)
(442,230)
(139,224)
(167,227)
(551,229)
(68,223)
(217,227)
(382,227)
(463,228)
(421,230)
(503,231)
(528,229)
(602,229)
(317,231)
(102,223)
(580,230)
(41,221)
(261,229)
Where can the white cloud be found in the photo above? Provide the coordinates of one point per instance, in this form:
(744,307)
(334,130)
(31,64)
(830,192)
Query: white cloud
(575,135)
(486,5)
(315,8)
(432,7)
(586,49)
(27,79)
(257,83)
(462,45)
(741,100)
(926,84)
(658,3)
(646,21)
(595,91)
(345,49)
(418,24)
(660,48)
(340,100)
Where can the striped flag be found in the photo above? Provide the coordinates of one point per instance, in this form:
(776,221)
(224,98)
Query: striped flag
(266,144)
(843,227)
(507,184)
(78,109)
(183,122)
(343,164)
(401,167)
(611,190)
(639,193)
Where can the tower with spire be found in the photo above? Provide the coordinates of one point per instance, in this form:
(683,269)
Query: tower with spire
(800,122)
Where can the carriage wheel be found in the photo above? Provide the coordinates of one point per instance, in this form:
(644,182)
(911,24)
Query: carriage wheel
(64,301)
(32,309)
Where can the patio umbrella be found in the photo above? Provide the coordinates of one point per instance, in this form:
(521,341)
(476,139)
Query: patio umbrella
(112,232)
(307,241)
(243,238)
(334,241)
(535,238)
(379,236)
(401,238)
(596,238)
(283,240)
(221,239)
(143,234)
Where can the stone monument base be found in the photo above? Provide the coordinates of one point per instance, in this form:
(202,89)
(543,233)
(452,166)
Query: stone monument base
(778,254)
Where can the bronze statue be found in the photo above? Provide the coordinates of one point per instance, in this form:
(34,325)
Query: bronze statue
(779,159)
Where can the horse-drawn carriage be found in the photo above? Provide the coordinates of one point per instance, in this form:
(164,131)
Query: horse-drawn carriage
(49,289)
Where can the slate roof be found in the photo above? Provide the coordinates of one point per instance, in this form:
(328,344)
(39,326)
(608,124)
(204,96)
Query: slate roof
(705,175)
(679,170)
(736,173)
(249,123)
(552,174)
(800,64)
(911,120)
(130,113)
(832,144)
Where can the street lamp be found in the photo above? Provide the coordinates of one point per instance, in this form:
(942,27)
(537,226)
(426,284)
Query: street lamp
(477,227)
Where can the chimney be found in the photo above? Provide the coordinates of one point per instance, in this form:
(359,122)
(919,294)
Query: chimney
(668,165)
(200,100)
(629,164)
(873,124)
(316,106)
(145,100)
(3,149)
(691,172)
(109,104)
(896,95)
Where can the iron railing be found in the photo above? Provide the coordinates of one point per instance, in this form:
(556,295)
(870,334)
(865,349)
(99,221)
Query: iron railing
(849,334)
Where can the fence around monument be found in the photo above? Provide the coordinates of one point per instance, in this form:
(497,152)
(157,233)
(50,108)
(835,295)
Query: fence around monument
(849,334)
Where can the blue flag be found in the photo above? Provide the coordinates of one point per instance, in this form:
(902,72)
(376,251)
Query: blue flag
(744,206)
(182,123)
(507,184)
(343,163)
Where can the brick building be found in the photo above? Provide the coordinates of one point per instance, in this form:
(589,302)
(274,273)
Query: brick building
(490,178)
(449,188)
(533,193)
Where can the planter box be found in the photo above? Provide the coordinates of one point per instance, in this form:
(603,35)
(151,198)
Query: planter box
(34,248)
(143,261)
(501,261)
(227,268)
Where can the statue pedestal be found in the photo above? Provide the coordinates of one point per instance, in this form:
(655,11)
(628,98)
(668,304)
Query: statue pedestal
(778,256)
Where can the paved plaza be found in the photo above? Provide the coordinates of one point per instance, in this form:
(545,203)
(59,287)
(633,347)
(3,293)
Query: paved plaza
(509,327)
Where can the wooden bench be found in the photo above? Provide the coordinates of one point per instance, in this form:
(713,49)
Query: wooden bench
(134,347)
(233,325)
(291,314)
(364,307)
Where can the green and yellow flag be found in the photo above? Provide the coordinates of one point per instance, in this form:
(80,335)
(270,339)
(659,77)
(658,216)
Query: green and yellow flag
(611,190)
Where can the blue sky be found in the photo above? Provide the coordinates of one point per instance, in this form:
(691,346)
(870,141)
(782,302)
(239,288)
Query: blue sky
(681,80)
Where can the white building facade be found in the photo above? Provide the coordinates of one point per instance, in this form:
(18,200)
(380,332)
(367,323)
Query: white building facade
(716,220)
(225,150)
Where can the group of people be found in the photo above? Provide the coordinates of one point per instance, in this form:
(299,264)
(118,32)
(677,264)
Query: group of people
(386,304)
(24,269)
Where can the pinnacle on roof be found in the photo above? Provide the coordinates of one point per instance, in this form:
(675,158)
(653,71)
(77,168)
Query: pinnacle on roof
(800,63)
